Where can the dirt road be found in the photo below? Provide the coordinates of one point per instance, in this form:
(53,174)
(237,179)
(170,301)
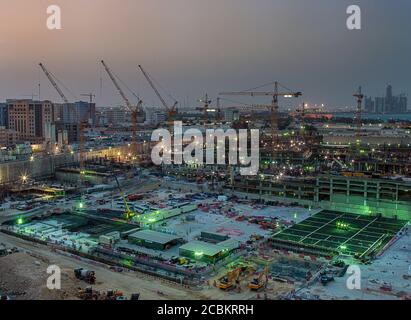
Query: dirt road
(26,272)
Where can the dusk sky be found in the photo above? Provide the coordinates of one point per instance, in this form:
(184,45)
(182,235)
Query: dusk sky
(197,46)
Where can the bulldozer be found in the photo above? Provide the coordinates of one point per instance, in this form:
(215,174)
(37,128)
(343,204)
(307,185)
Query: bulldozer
(260,282)
(229,280)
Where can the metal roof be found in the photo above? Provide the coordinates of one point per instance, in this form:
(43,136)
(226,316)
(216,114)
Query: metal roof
(202,248)
(153,236)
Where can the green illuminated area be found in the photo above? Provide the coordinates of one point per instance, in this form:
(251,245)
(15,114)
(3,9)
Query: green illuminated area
(356,235)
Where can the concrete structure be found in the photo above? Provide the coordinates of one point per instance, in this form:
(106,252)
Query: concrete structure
(11,172)
(360,195)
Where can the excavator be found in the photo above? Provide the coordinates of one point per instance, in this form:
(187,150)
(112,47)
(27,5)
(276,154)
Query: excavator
(229,280)
(258,283)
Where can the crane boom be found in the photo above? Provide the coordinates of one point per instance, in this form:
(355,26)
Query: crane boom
(133,110)
(54,83)
(82,122)
(120,91)
(263,94)
(154,88)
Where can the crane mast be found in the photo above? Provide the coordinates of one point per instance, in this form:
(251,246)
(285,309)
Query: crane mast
(359,97)
(133,110)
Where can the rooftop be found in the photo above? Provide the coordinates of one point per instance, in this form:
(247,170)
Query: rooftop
(153,236)
(202,248)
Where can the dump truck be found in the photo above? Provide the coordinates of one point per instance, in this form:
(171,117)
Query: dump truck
(260,282)
(85,275)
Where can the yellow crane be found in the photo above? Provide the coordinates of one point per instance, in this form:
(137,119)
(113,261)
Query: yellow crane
(128,213)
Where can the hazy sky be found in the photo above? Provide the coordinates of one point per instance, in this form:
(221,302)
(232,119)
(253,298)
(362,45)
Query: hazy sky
(197,46)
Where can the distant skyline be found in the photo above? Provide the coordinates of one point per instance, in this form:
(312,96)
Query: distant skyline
(194,46)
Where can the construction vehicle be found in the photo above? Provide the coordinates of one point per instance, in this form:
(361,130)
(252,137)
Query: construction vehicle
(85,275)
(325,279)
(260,282)
(114,295)
(87,294)
(230,280)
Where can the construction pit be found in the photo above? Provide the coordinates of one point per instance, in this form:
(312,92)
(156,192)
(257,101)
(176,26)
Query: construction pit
(186,240)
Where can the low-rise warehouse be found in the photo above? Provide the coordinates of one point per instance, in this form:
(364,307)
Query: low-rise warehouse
(153,239)
(208,252)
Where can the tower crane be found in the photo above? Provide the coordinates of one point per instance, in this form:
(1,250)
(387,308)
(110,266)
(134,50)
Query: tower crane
(274,106)
(82,122)
(171,110)
(90,95)
(205,108)
(359,97)
(133,109)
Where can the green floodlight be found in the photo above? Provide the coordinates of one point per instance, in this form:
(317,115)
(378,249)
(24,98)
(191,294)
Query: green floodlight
(20,221)
(343,247)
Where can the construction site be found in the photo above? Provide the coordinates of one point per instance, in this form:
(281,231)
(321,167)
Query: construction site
(83,190)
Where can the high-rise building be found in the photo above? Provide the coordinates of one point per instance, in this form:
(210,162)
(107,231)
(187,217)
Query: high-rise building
(402,104)
(76,112)
(231,115)
(28,118)
(369,104)
(388,104)
(379,105)
(4,122)
(116,115)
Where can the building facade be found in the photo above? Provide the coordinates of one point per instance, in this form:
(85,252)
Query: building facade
(29,118)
